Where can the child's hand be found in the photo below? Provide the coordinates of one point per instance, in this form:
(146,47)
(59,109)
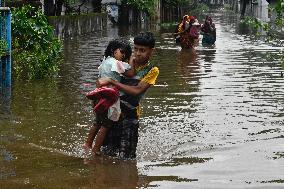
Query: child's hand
(131,60)
(103,82)
(131,71)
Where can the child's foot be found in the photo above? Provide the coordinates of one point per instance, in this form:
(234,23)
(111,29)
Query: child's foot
(96,153)
(87,148)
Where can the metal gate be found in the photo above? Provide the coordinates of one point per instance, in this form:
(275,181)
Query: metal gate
(5,46)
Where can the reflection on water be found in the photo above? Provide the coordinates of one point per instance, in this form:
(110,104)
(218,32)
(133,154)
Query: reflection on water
(214,119)
(122,174)
(187,65)
(5,102)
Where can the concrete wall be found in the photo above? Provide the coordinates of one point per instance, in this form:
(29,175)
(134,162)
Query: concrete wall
(68,26)
(260,10)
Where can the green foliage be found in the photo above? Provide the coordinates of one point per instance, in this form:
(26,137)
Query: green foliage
(147,6)
(3,47)
(72,1)
(227,7)
(254,23)
(174,3)
(36,52)
(199,9)
(168,24)
(279,9)
(257,24)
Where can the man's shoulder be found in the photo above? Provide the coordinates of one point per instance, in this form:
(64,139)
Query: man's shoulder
(151,77)
(154,70)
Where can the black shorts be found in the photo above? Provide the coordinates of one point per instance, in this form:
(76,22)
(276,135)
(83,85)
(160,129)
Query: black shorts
(103,120)
(129,138)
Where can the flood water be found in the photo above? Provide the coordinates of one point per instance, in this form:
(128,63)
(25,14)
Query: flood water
(214,119)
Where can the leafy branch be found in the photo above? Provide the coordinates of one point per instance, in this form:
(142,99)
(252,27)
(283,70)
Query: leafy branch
(3,47)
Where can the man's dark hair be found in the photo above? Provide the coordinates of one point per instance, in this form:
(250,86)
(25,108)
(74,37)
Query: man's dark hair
(124,47)
(145,39)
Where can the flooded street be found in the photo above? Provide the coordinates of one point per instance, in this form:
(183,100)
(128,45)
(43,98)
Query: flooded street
(214,119)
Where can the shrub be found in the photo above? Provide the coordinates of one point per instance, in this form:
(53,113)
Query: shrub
(36,52)
(3,47)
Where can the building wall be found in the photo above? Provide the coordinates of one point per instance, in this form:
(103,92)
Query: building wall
(68,26)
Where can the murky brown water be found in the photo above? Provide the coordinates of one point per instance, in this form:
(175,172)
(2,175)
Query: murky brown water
(214,119)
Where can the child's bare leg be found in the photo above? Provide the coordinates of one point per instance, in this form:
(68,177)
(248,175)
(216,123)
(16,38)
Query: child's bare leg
(91,136)
(100,140)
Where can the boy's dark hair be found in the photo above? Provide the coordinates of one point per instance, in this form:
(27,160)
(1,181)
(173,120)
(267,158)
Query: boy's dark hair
(145,39)
(124,47)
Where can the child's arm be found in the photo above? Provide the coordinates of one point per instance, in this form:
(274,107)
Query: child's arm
(131,71)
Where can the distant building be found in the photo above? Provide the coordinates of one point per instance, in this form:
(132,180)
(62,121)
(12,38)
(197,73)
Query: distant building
(112,9)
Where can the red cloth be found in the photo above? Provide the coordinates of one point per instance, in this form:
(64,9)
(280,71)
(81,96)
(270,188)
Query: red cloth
(191,18)
(106,97)
(194,32)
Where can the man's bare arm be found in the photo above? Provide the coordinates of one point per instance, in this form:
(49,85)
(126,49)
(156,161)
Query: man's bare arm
(131,90)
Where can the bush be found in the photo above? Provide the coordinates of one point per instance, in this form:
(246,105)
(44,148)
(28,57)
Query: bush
(3,47)
(36,52)
(200,8)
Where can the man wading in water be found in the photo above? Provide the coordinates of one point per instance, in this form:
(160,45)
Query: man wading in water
(122,138)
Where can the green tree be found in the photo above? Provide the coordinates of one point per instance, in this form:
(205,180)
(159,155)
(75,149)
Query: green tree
(3,47)
(175,3)
(257,24)
(147,6)
(36,52)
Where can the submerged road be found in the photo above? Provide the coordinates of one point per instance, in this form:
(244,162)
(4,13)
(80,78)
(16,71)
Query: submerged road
(213,120)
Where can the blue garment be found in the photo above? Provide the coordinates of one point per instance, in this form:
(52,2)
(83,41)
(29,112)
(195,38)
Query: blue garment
(109,68)
(208,39)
